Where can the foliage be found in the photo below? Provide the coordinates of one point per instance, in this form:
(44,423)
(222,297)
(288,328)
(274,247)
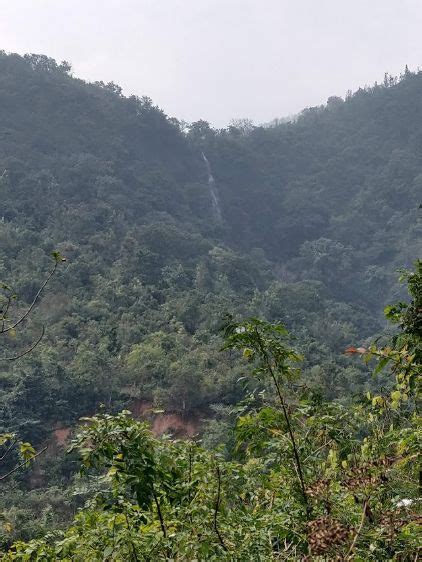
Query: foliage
(10,445)
(316,214)
(311,480)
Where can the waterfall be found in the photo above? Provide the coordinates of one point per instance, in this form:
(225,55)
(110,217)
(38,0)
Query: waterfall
(213,191)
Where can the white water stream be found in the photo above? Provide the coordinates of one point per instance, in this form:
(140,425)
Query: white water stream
(213,191)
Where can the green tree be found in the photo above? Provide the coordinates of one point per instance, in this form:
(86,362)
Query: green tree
(355,469)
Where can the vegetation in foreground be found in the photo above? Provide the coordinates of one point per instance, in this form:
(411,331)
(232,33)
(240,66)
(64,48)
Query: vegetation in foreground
(304,479)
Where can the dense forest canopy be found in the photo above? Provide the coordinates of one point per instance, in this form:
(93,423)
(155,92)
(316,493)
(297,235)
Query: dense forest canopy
(166,227)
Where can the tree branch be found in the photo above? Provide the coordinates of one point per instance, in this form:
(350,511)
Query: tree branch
(4,314)
(23,464)
(289,426)
(31,306)
(9,448)
(160,515)
(216,508)
(355,538)
(33,346)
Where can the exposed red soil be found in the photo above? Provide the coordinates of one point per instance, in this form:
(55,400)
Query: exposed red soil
(61,435)
(175,424)
(140,408)
(178,425)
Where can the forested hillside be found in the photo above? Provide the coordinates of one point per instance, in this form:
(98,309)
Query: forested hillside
(166,227)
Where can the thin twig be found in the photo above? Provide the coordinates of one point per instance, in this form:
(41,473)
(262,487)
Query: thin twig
(154,546)
(317,450)
(272,501)
(289,427)
(294,447)
(135,556)
(33,346)
(23,464)
(355,538)
(4,315)
(160,515)
(190,482)
(13,443)
(31,306)
(216,508)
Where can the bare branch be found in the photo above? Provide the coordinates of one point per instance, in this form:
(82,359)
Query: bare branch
(33,346)
(31,306)
(23,464)
(359,529)
(9,300)
(9,448)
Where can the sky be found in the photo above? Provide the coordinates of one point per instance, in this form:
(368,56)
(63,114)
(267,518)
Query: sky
(220,60)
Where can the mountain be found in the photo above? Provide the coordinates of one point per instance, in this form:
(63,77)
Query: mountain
(167,227)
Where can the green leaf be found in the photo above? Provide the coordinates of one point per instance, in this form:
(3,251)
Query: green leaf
(396,395)
(381,364)
(108,551)
(248,352)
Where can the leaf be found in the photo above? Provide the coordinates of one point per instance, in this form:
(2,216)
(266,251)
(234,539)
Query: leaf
(381,364)
(26,450)
(377,401)
(248,352)
(57,256)
(112,471)
(5,437)
(396,395)
(108,551)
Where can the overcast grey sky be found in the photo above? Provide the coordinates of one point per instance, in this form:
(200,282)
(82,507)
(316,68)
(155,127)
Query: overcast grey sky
(222,59)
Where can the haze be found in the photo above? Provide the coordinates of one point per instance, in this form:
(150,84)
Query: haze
(222,59)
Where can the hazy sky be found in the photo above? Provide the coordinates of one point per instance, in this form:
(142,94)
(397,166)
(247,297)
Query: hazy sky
(222,59)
